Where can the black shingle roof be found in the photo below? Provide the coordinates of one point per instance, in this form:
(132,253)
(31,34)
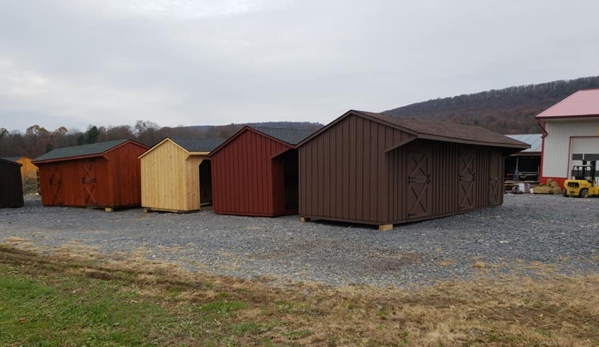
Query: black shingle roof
(291,136)
(12,158)
(77,151)
(197,144)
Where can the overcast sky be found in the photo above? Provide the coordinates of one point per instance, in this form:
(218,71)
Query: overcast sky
(175,62)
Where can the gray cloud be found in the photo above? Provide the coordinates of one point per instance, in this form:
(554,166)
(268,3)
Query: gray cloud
(216,62)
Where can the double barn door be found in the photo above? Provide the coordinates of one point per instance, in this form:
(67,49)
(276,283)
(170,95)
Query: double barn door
(72,184)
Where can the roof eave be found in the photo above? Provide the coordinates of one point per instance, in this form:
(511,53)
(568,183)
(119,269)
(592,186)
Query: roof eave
(473,142)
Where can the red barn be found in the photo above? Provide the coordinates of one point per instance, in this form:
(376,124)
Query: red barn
(105,175)
(255,172)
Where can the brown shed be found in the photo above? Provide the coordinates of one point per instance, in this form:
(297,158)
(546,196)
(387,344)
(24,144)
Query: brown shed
(255,172)
(11,185)
(176,175)
(376,169)
(105,175)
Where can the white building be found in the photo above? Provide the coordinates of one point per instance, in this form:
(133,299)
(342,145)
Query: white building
(569,127)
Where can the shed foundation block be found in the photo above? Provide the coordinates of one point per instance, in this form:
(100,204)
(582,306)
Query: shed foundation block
(304,219)
(385,227)
(108,209)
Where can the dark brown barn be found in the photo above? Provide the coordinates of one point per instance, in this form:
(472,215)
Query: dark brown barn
(105,175)
(11,185)
(255,172)
(376,169)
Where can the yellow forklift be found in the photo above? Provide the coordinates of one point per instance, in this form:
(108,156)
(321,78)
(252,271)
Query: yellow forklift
(584,177)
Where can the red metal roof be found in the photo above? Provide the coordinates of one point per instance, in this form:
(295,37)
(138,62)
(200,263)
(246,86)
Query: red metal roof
(583,103)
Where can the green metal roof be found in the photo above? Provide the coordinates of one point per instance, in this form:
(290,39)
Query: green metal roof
(79,151)
(197,144)
(290,136)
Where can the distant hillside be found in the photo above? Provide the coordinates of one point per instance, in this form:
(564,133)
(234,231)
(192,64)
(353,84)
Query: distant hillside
(508,111)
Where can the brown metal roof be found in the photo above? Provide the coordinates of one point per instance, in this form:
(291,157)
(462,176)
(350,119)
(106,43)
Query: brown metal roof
(434,130)
(583,103)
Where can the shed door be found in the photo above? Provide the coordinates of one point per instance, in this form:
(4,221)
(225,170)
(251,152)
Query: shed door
(467,180)
(89,182)
(495,180)
(419,179)
(55,185)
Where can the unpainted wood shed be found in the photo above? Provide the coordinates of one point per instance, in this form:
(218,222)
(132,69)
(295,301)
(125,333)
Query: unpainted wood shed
(176,175)
(105,175)
(376,169)
(255,172)
(11,185)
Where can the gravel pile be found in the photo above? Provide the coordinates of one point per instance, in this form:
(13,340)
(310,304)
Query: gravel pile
(549,229)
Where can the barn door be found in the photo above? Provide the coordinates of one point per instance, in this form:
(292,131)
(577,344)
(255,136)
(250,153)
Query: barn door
(467,180)
(419,180)
(89,182)
(495,179)
(55,185)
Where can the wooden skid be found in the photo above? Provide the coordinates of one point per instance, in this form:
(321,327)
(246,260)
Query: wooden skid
(153,209)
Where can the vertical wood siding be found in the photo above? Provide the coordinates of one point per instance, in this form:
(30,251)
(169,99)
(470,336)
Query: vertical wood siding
(244,179)
(113,181)
(11,185)
(344,172)
(170,179)
(348,173)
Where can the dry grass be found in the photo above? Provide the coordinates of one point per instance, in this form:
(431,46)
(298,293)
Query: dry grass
(503,310)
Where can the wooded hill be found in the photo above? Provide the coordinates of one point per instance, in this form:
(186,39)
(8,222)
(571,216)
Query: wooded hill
(507,111)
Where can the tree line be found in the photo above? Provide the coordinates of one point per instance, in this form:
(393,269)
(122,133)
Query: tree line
(37,140)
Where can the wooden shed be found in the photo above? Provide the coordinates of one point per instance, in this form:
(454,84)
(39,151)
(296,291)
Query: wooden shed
(376,169)
(28,169)
(176,175)
(255,172)
(11,185)
(104,175)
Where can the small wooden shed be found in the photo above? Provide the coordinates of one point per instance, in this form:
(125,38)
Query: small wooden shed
(176,175)
(105,175)
(255,172)
(28,169)
(376,169)
(11,185)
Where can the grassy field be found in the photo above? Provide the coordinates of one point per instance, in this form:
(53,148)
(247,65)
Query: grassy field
(67,301)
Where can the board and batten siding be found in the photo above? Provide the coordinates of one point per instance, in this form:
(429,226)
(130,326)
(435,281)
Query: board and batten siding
(344,172)
(163,178)
(366,172)
(243,176)
(556,146)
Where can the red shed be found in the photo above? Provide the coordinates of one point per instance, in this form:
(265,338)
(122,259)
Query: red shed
(105,175)
(255,172)
(376,169)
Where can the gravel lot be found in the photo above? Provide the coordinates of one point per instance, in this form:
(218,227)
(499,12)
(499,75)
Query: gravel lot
(550,229)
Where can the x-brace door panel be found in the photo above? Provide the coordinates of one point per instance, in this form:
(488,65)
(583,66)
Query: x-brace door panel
(89,182)
(495,179)
(419,180)
(467,180)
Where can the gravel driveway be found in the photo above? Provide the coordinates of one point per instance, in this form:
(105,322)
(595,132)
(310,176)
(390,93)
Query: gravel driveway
(549,229)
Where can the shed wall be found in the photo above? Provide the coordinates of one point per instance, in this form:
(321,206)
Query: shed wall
(125,174)
(356,172)
(163,178)
(243,176)
(112,180)
(344,172)
(11,185)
